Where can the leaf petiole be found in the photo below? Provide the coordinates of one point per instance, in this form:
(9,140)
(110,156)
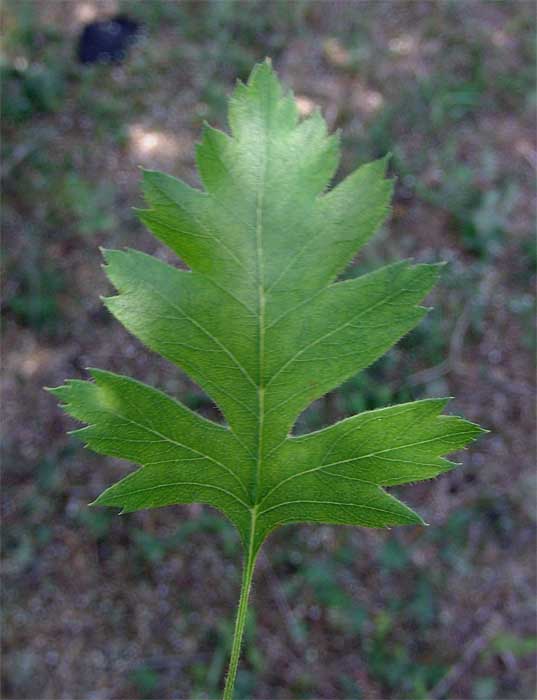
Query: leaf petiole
(242,610)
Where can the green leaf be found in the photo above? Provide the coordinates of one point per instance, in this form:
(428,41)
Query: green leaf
(260,323)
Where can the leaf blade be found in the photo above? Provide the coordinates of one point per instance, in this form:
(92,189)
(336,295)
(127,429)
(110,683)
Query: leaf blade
(260,324)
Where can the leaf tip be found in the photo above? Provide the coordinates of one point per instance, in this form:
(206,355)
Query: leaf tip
(95,373)
(385,160)
(106,253)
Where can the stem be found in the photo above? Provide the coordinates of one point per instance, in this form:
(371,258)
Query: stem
(247,574)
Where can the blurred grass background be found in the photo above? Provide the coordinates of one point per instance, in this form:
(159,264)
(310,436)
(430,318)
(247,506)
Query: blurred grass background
(97,606)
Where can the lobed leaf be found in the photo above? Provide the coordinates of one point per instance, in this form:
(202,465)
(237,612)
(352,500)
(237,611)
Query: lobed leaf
(261,324)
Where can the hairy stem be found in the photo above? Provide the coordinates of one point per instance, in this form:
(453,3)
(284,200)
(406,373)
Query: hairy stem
(242,610)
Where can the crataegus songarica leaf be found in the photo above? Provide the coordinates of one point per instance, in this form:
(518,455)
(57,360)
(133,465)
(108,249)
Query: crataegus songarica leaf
(261,324)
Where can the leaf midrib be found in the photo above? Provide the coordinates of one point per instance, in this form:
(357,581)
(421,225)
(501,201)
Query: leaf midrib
(261,320)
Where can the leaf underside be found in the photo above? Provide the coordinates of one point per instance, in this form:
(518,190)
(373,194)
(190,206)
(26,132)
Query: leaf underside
(260,323)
